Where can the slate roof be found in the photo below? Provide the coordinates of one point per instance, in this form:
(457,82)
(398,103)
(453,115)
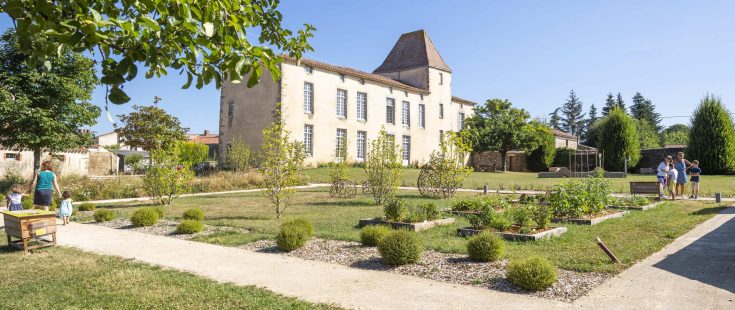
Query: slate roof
(413,50)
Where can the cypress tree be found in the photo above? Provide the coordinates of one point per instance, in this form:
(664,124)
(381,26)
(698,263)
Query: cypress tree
(617,138)
(588,135)
(620,103)
(712,137)
(555,119)
(609,104)
(572,120)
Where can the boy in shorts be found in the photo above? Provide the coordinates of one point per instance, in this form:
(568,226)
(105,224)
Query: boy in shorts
(695,171)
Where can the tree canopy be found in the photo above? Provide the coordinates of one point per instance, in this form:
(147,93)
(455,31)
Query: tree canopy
(617,139)
(644,110)
(150,128)
(209,41)
(572,120)
(541,157)
(43,109)
(712,137)
(675,134)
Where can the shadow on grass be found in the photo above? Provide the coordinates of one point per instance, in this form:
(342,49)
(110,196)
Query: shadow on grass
(238,217)
(712,210)
(349,203)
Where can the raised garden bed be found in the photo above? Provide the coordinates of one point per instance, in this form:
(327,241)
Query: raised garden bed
(610,214)
(402,225)
(639,208)
(515,235)
(461,213)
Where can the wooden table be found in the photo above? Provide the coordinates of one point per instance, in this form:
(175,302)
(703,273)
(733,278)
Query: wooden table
(30,225)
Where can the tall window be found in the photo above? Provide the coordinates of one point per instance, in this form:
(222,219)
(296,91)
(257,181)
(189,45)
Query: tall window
(441,79)
(362,106)
(460,121)
(422,115)
(406,115)
(441,110)
(361,144)
(406,148)
(308,98)
(308,140)
(230,112)
(341,149)
(390,111)
(441,136)
(341,103)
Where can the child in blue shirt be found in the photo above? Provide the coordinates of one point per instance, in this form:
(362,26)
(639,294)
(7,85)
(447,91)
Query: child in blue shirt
(695,172)
(65,207)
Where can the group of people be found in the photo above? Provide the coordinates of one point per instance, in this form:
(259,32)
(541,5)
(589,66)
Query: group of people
(672,176)
(43,184)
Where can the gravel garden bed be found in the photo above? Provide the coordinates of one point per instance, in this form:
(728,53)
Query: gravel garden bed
(164,228)
(453,268)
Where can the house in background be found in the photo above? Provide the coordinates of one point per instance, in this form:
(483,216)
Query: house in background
(323,105)
(210,139)
(564,139)
(93,161)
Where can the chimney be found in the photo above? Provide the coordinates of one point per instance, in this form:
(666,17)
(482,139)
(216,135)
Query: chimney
(206,132)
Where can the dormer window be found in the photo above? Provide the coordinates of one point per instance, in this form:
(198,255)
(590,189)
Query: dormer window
(390,90)
(362,82)
(342,77)
(405,93)
(308,69)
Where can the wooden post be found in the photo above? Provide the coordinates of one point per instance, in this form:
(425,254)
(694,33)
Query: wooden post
(607,251)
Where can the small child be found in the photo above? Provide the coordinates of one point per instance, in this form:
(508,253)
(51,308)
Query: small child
(673,174)
(65,207)
(695,171)
(15,197)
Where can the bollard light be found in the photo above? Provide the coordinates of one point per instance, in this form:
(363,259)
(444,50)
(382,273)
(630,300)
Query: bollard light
(718,197)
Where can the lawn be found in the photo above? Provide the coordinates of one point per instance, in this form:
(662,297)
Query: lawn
(632,238)
(529,180)
(56,278)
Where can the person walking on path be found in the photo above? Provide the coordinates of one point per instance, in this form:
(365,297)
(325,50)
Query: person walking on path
(681,165)
(662,175)
(44,182)
(65,209)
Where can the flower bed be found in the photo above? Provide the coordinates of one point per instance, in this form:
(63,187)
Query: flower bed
(514,233)
(592,219)
(399,215)
(404,225)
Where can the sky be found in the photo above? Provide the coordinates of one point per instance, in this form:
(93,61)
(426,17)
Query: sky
(530,52)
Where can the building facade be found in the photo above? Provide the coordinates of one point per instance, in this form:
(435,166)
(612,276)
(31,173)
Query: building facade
(325,106)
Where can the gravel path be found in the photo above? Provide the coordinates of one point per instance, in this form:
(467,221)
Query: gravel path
(453,268)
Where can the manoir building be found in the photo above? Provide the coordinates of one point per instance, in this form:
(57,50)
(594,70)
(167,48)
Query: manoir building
(410,95)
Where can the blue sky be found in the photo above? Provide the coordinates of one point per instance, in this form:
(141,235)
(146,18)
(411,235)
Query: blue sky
(531,52)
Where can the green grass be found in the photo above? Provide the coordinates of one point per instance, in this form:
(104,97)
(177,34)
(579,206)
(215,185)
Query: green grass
(529,180)
(631,238)
(56,278)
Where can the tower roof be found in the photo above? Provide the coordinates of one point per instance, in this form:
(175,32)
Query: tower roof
(413,50)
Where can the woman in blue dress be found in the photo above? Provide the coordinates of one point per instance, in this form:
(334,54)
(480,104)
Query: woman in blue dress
(681,165)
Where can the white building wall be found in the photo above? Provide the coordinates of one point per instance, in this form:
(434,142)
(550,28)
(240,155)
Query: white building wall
(65,163)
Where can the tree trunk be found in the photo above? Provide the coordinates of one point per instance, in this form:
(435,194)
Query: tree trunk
(36,160)
(503,160)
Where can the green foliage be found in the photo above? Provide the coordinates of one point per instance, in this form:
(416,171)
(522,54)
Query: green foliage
(87,206)
(159,211)
(425,211)
(485,247)
(497,126)
(103,215)
(281,161)
(401,247)
(383,168)
(712,137)
(446,169)
(647,136)
(489,218)
(44,108)
(643,110)
(192,153)
(144,217)
(27,202)
(399,211)
(239,156)
(151,128)
(205,40)
(371,235)
(396,211)
(303,223)
(165,179)
(522,217)
(561,157)
(541,157)
(616,139)
(11,177)
(534,273)
(541,215)
(189,227)
(292,236)
(676,134)
(194,214)
(580,197)
(572,120)
(135,161)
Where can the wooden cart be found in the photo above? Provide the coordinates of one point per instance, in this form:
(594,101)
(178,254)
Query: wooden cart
(30,225)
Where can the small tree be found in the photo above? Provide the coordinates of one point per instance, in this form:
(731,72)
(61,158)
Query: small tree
(281,161)
(192,153)
(383,168)
(675,134)
(135,161)
(617,139)
(542,157)
(341,185)
(239,157)
(150,128)
(166,179)
(712,137)
(446,169)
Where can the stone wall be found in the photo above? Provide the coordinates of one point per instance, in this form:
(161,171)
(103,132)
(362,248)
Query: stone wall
(102,163)
(650,158)
(492,161)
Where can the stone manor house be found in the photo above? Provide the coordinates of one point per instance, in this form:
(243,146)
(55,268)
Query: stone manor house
(410,95)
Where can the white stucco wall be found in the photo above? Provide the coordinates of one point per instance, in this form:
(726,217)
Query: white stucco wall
(66,163)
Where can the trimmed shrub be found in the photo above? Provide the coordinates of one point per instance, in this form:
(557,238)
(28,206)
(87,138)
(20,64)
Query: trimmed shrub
(103,215)
(144,217)
(534,273)
(485,247)
(305,224)
(401,247)
(194,214)
(189,227)
(371,235)
(292,236)
(158,210)
(712,137)
(87,206)
(617,139)
(396,211)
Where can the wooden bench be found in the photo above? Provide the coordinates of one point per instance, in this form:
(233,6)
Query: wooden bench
(645,171)
(645,188)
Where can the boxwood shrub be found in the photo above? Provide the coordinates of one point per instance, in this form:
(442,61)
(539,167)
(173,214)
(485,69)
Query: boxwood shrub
(194,214)
(401,247)
(395,211)
(144,217)
(158,210)
(371,235)
(305,224)
(485,247)
(103,215)
(534,273)
(189,227)
(292,235)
